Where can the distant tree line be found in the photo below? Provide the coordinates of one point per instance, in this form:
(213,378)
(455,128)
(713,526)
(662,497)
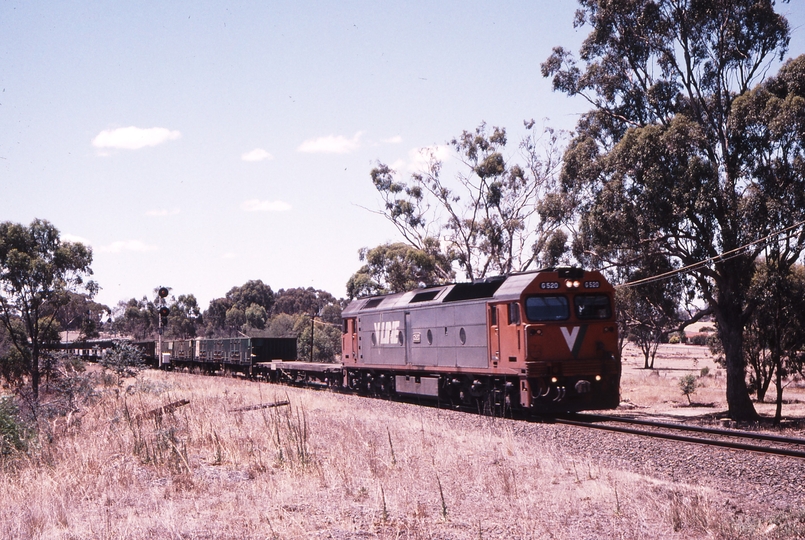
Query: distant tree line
(253,309)
(46,297)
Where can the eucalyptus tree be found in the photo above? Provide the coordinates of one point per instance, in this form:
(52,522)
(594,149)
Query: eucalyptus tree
(135,318)
(775,333)
(82,317)
(298,300)
(242,308)
(398,267)
(686,151)
(486,217)
(649,310)
(184,318)
(38,271)
(253,292)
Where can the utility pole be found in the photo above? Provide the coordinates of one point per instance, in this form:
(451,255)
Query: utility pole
(312,326)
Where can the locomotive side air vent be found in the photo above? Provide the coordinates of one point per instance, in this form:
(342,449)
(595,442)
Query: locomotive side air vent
(373,303)
(425,296)
(472,291)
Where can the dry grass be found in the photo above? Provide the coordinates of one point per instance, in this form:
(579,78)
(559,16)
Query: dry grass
(327,466)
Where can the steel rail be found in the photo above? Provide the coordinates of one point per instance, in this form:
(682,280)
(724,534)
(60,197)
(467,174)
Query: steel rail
(683,438)
(695,429)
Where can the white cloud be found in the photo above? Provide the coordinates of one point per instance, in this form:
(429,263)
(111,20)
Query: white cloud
(228,255)
(255,205)
(420,157)
(398,165)
(120,246)
(66,237)
(258,154)
(397,139)
(133,138)
(331,144)
(163,212)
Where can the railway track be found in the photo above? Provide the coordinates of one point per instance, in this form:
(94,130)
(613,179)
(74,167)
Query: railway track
(724,438)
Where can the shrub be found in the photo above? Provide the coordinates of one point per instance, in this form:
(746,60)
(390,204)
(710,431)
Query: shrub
(12,432)
(699,339)
(124,360)
(677,337)
(687,385)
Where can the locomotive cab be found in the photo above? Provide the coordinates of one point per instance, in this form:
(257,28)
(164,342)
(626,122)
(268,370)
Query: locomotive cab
(571,341)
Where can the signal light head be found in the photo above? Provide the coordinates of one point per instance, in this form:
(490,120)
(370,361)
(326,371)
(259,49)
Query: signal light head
(163,292)
(164,311)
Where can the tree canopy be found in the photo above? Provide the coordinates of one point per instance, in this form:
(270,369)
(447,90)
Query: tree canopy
(38,271)
(485,219)
(686,152)
(397,267)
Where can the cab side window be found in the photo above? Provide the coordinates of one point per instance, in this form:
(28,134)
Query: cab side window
(514,313)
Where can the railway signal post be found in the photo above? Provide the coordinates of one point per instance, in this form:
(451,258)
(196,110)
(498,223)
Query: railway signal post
(163,321)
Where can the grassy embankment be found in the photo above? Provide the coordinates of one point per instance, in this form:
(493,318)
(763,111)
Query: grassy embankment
(329,466)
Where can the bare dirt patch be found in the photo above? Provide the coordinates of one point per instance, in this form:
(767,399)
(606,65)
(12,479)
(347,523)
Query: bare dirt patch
(657,391)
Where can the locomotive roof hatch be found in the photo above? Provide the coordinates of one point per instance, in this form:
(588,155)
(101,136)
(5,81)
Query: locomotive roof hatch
(474,291)
(500,289)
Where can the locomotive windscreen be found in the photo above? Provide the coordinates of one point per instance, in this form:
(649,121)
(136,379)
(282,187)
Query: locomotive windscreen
(592,306)
(546,308)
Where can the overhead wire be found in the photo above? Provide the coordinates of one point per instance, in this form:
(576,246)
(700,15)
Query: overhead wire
(727,255)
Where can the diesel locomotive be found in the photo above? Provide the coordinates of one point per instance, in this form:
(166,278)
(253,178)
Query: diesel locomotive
(544,341)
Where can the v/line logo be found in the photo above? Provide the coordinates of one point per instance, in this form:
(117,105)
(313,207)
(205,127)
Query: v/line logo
(574,337)
(387,332)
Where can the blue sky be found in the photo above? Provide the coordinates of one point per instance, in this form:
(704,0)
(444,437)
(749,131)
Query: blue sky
(199,145)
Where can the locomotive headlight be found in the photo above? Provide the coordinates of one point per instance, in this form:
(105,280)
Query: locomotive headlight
(554,380)
(569,284)
(598,377)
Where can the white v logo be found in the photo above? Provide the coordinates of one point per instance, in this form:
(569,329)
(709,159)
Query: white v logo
(570,336)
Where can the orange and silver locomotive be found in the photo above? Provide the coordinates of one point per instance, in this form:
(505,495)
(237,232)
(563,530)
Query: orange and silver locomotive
(545,341)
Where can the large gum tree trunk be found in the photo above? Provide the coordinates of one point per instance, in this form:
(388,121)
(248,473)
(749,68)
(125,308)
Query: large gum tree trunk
(35,371)
(730,329)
